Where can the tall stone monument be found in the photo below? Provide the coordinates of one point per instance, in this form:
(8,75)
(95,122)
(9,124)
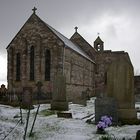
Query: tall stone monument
(120,85)
(59,101)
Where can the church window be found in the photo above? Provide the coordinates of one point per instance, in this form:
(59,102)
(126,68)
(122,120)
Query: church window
(18,67)
(98,47)
(47,64)
(32,63)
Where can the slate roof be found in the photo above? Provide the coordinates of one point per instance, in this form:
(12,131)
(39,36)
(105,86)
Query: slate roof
(98,39)
(70,44)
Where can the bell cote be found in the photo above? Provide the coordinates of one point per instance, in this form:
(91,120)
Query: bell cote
(99,44)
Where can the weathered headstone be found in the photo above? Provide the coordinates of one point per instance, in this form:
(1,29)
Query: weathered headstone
(120,85)
(138,135)
(59,101)
(84,98)
(39,85)
(81,99)
(27,97)
(106,107)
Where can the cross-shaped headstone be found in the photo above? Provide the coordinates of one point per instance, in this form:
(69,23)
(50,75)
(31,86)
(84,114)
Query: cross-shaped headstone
(76,28)
(39,85)
(34,10)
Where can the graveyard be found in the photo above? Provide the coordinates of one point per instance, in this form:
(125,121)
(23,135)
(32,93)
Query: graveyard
(64,120)
(61,88)
(49,127)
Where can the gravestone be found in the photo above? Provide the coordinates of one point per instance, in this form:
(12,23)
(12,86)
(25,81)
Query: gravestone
(82,99)
(138,135)
(26,97)
(120,85)
(39,92)
(59,101)
(106,107)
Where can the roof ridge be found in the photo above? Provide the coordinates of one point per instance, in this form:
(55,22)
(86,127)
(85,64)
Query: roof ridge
(62,37)
(21,29)
(83,39)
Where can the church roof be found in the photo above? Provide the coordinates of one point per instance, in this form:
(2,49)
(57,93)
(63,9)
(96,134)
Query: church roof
(77,35)
(68,43)
(98,39)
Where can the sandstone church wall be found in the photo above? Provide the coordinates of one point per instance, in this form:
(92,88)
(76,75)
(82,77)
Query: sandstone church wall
(79,70)
(79,75)
(41,38)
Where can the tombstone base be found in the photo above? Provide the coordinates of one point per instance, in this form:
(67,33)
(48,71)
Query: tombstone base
(127,114)
(64,115)
(57,105)
(81,102)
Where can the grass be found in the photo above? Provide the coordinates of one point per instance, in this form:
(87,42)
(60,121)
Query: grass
(47,112)
(108,137)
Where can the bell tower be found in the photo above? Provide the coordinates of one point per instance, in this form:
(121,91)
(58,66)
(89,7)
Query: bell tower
(99,44)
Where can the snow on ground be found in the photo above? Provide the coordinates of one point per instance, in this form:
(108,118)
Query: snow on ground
(52,128)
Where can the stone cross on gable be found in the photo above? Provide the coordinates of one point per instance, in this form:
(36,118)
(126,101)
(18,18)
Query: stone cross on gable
(76,28)
(98,33)
(34,10)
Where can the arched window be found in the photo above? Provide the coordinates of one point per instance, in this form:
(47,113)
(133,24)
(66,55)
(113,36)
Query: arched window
(32,63)
(18,67)
(99,47)
(47,64)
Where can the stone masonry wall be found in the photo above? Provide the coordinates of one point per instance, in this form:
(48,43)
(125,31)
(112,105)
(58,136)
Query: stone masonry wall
(84,45)
(78,70)
(137,88)
(137,84)
(34,33)
(79,75)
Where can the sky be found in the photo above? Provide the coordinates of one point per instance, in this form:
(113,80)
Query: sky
(117,21)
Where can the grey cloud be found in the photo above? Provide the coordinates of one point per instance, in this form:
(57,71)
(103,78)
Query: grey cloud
(65,14)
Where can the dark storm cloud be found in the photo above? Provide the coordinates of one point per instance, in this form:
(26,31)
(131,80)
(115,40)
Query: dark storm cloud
(61,13)
(82,11)
(118,21)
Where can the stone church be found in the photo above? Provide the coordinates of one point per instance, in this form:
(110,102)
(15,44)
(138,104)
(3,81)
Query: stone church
(38,52)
